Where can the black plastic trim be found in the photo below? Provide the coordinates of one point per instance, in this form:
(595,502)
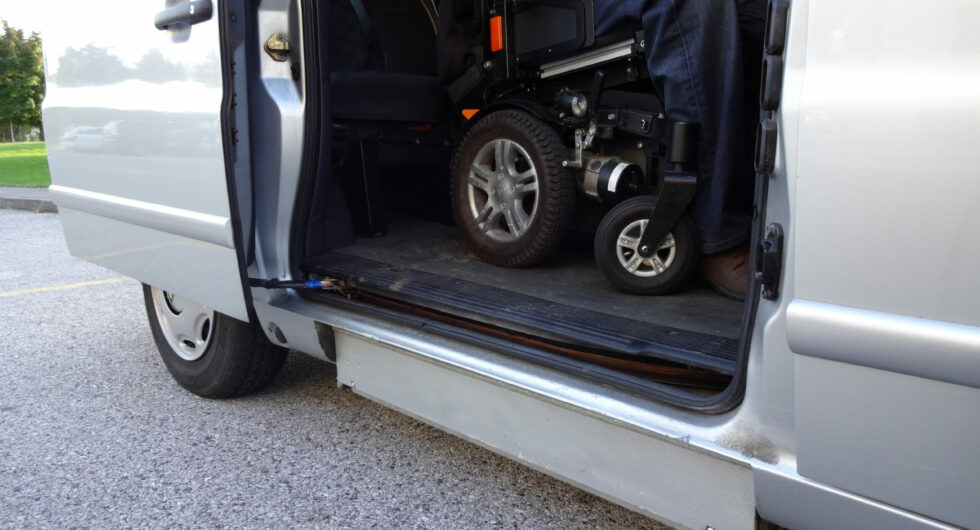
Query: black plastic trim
(765,146)
(317,146)
(229,137)
(770,261)
(772,82)
(730,398)
(777,19)
(183,15)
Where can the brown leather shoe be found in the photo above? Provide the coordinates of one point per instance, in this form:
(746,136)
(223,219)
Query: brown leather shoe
(728,272)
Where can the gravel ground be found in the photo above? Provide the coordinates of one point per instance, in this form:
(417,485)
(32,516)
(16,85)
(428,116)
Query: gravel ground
(94,433)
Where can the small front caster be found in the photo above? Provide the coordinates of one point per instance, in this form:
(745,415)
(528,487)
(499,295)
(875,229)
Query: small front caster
(633,270)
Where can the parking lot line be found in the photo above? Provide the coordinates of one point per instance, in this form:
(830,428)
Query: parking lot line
(62,287)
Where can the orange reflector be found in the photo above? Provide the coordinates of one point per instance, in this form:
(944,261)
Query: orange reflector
(469,113)
(496,34)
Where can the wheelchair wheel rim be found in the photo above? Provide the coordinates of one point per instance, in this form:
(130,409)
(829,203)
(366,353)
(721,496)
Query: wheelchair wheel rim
(502,188)
(627,251)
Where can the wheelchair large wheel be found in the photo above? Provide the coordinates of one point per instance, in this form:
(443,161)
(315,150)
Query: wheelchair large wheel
(511,197)
(664,271)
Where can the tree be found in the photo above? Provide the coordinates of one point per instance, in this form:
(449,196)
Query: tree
(154,67)
(208,72)
(90,65)
(21,77)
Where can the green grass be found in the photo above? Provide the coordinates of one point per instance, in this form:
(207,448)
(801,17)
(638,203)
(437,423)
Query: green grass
(24,164)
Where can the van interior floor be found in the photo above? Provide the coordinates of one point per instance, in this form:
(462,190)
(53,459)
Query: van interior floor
(564,300)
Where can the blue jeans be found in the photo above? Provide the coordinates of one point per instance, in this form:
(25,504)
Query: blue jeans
(694,56)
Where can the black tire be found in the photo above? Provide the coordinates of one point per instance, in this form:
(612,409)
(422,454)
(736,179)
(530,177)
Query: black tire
(678,258)
(237,360)
(545,214)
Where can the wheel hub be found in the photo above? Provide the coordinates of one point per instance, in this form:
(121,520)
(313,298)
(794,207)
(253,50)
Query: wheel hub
(186,325)
(502,190)
(644,262)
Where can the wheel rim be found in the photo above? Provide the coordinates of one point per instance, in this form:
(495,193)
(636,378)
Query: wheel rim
(627,251)
(186,325)
(502,187)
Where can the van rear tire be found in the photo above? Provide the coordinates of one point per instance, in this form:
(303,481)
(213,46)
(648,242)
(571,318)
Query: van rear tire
(208,353)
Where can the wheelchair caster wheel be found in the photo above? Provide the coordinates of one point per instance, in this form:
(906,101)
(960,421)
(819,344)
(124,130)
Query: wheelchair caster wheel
(617,253)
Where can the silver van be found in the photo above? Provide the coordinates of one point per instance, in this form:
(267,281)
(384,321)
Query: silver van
(277,174)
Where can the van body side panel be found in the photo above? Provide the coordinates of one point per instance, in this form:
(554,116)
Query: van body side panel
(909,441)
(886,255)
(794,502)
(150,200)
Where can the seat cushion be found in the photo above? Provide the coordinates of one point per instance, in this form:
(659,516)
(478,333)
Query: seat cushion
(386,96)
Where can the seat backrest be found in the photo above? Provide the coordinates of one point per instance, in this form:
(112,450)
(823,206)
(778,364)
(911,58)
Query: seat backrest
(544,29)
(459,39)
(383,35)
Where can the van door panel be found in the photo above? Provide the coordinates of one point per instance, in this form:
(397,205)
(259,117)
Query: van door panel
(151,199)
(885,321)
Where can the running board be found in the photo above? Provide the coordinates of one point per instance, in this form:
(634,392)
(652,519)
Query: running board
(531,316)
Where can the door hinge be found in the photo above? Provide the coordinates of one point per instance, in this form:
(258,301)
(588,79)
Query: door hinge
(277,46)
(769,261)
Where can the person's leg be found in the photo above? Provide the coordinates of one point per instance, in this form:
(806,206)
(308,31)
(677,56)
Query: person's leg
(752,18)
(694,59)
(612,15)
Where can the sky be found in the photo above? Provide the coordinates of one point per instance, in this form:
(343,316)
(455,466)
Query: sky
(123,27)
(25,15)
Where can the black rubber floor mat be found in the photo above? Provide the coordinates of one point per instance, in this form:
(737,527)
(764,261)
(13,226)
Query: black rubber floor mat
(530,315)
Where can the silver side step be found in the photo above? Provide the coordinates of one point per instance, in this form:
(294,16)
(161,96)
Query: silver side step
(622,447)
(590,58)
(660,478)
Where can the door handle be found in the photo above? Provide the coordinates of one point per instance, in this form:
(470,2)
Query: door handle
(183,15)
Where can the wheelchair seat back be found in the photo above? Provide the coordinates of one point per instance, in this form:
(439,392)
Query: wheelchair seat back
(542,30)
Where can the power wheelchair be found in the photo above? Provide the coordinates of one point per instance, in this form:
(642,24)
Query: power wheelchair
(555,112)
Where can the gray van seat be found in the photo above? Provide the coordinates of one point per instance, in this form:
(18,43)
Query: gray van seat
(385,96)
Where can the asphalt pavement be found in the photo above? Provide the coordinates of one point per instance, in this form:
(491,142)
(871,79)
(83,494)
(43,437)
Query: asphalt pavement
(94,433)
